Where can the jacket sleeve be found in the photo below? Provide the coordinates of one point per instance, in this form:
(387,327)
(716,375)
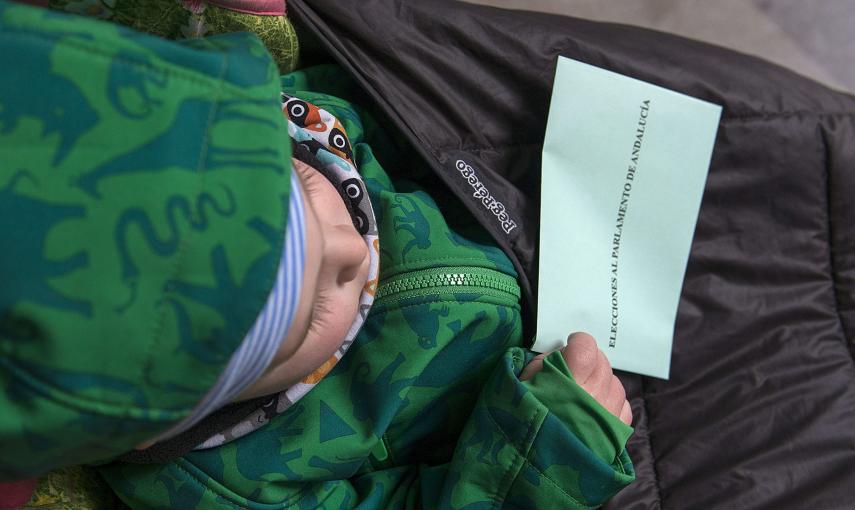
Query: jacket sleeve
(543,443)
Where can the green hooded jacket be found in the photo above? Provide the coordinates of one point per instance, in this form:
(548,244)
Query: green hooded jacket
(426,409)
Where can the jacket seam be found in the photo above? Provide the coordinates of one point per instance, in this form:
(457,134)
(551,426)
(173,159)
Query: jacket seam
(724,118)
(779,115)
(831,265)
(485,147)
(168,291)
(650,448)
(510,473)
(735,117)
(525,455)
(193,478)
(558,487)
(227,497)
(388,446)
(450,301)
(447,257)
(619,465)
(231,496)
(83,404)
(526,461)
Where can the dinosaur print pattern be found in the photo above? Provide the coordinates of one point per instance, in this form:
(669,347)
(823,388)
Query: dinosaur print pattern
(424,319)
(413,222)
(143,199)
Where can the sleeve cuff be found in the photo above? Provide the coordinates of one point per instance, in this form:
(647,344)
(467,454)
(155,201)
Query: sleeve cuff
(523,443)
(598,429)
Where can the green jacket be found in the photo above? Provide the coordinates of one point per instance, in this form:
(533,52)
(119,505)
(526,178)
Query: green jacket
(143,186)
(426,408)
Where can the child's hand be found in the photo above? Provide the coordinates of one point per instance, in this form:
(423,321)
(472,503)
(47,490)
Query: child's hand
(592,372)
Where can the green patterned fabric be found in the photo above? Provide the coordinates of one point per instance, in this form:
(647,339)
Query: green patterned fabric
(426,409)
(580,414)
(175,19)
(143,198)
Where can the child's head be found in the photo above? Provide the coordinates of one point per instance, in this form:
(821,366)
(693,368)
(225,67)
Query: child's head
(324,284)
(133,274)
(336,270)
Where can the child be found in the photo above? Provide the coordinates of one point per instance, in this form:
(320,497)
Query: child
(435,404)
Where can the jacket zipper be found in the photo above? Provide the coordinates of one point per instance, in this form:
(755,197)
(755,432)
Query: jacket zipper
(426,282)
(323,32)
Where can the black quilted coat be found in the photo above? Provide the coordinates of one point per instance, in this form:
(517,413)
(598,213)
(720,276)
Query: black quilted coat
(760,408)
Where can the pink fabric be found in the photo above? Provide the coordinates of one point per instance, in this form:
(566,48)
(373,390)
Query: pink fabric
(259,7)
(14,495)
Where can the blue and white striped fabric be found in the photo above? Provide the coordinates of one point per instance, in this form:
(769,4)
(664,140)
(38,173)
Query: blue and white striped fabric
(261,343)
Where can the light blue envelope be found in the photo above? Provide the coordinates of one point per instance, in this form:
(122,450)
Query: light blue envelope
(624,167)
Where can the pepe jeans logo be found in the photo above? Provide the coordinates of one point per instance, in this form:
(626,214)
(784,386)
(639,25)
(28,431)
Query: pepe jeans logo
(483,194)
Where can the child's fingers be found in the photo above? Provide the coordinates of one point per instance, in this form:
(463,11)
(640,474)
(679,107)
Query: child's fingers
(581,355)
(615,398)
(600,380)
(626,413)
(592,371)
(534,366)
